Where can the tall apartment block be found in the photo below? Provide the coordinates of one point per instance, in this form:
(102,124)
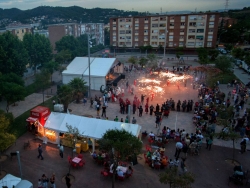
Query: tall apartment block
(184,30)
(57,31)
(18,30)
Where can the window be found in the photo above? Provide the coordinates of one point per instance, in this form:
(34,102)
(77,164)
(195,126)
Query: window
(128,32)
(114,43)
(172,18)
(171,24)
(114,37)
(182,23)
(191,37)
(22,31)
(199,37)
(171,37)
(209,43)
(122,31)
(210,36)
(114,26)
(122,20)
(170,30)
(181,43)
(190,44)
(154,37)
(162,25)
(128,20)
(114,20)
(136,43)
(136,19)
(181,37)
(136,25)
(145,31)
(200,30)
(212,16)
(211,30)
(193,17)
(128,43)
(154,25)
(127,26)
(122,37)
(155,31)
(182,30)
(162,37)
(211,23)
(170,43)
(162,18)
(183,17)
(199,43)
(114,32)
(153,43)
(145,37)
(191,30)
(155,19)
(146,19)
(136,37)
(128,37)
(192,24)
(145,25)
(201,17)
(200,23)
(136,31)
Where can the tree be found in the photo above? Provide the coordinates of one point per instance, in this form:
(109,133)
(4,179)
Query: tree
(224,63)
(179,52)
(78,87)
(143,61)
(203,55)
(238,53)
(42,80)
(172,177)
(12,88)
(63,56)
(39,49)
(228,47)
(106,37)
(50,67)
(6,138)
(152,58)
(65,96)
(247,58)
(213,53)
(133,60)
(13,56)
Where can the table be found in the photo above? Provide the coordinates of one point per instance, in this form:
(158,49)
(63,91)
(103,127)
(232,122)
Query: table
(76,160)
(122,168)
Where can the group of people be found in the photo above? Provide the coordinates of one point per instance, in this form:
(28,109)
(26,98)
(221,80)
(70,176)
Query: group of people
(44,181)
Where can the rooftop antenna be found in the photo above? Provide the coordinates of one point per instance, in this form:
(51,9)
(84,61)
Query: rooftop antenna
(226,5)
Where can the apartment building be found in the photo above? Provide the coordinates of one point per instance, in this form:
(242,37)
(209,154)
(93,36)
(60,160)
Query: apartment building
(184,30)
(18,30)
(57,31)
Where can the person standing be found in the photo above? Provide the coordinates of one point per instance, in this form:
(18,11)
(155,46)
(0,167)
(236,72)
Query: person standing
(97,109)
(178,149)
(151,108)
(84,101)
(126,120)
(146,108)
(52,181)
(67,179)
(142,98)
(133,120)
(40,152)
(91,103)
(209,142)
(140,111)
(61,150)
(104,111)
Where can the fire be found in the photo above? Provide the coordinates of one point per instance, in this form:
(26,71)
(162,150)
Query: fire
(143,80)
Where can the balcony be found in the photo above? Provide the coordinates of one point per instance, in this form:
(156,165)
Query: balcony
(211,19)
(136,34)
(145,21)
(182,27)
(137,21)
(181,39)
(145,39)
(136,39)
(146,27)
(181,33)
(211,26)
(171,40)
(171,27)
(210,33)
(209,40)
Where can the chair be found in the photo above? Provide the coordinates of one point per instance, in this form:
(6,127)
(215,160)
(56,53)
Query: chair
(73,164)
(69,159)
(81,163)
(157,166)
(80,156)
(121,178)
(104,173)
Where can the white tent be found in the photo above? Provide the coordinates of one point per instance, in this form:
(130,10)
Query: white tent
(24,184)
(9,181)
(89,127)
(78,68)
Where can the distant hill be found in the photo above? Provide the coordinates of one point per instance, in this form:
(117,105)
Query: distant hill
(73,13)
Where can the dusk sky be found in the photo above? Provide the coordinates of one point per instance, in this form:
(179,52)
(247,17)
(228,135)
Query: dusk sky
(140,5)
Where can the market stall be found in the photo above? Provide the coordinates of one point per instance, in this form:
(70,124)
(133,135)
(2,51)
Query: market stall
(79,68)
(89,128)
(37,119)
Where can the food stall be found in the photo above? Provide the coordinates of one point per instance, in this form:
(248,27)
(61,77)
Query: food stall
(36,121)
(91,129)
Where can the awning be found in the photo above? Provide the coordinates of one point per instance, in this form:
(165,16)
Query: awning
(31,119)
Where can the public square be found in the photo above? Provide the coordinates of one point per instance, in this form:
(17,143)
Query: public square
(211,168)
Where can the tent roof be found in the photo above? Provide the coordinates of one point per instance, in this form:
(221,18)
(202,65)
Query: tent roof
(89,127)
(24,184)
(9,181)
(98,66)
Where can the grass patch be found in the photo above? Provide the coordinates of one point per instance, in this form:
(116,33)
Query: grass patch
(18,127)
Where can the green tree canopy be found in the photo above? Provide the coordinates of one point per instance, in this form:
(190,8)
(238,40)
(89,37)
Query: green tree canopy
(238,53)
(179,52)
(213,54)
(143,61)
(133,60)
(78,87)
(6,138)
(172,177)
(152,58)
(13,56)
(124,143)
(203,55)
(65,96)
(39,49)
(224,63)
(50,67)
(63,56)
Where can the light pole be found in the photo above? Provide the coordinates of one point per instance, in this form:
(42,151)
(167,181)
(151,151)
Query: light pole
(89,65)
(165,43)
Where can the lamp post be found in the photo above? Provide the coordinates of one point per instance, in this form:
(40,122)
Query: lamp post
(89,65)
(165,43)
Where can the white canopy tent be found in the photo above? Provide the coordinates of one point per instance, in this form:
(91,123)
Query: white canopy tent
(88,127)
(79,68)
(13,181)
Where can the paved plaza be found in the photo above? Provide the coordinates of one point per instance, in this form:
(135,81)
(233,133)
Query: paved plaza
(211,168)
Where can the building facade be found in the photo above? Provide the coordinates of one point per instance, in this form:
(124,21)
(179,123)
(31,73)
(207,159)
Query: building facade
(57,31)
(184,30)
(18,30)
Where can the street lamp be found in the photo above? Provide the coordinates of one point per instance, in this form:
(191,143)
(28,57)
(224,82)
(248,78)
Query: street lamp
(220,36)
(89,45)
(165,43)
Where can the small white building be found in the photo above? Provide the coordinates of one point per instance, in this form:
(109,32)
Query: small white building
(79,68)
